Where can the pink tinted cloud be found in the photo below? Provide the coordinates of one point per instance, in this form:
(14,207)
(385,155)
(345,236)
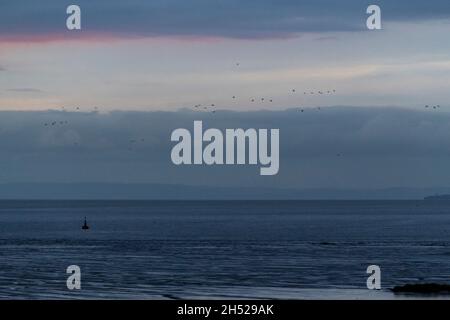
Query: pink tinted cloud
(59,37)
(99,37)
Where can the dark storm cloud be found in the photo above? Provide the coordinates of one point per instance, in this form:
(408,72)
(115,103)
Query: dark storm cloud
(206,18)
(336,146)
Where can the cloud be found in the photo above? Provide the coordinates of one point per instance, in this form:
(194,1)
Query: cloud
(336,147)
(250,19)
(24,90)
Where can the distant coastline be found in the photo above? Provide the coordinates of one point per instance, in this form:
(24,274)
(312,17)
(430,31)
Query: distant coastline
(439,197)
(152,191)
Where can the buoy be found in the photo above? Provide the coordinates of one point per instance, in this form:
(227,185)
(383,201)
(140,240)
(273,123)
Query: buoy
(85,225)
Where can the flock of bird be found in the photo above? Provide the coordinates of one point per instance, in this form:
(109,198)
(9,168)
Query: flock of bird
(432,107)
(64,122)
(134,143)
(212,106)
(54,123)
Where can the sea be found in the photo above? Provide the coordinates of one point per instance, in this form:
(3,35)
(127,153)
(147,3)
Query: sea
(221,249)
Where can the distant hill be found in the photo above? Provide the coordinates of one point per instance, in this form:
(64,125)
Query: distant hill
(124,191)
(439,197)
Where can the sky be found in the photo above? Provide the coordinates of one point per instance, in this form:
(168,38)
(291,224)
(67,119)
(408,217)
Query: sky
(172,54)
(137,69)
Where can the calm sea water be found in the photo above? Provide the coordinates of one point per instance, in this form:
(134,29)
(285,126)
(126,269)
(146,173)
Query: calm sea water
(279,249)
